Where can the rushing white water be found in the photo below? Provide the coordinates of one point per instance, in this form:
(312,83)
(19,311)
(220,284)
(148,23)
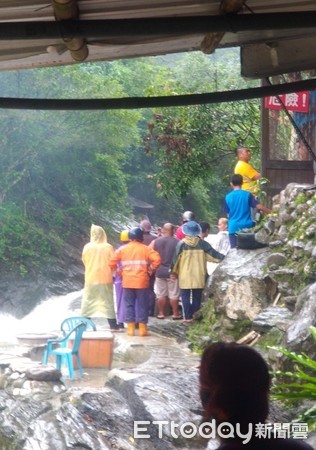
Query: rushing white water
(45,318)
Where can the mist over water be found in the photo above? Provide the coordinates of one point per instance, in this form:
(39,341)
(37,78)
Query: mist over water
(46,317)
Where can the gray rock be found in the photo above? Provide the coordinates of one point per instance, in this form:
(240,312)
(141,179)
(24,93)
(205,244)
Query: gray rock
(298,244)
(291,205)
(240,289)
(263,236)
(274,244)
(294,216)
(298,337)
(276,200)
(309,247)
(290,301)
(290,244)
(286,271)
(311,230)
(43,373)
(285,217)
(312,210)
(3,380)
(300,209)
(273,316)
(150,397)
(278,259)
(283,233)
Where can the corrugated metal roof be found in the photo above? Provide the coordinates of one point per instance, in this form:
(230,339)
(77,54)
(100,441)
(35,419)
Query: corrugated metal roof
(44,51)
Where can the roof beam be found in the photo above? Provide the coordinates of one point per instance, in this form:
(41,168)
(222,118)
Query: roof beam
(172,26)
(274,58)
(211,40)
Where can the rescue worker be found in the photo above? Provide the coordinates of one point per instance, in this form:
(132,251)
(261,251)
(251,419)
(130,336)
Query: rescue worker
(138,262)
(146,226)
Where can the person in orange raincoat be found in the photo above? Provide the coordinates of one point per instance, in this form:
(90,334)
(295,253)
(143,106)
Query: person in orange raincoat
(138,263)
(98,299)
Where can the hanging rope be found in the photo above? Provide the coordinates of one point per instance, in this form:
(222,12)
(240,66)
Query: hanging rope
(155,102)
(297,129)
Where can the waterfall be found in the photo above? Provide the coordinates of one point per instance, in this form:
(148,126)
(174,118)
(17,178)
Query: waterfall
(46,317)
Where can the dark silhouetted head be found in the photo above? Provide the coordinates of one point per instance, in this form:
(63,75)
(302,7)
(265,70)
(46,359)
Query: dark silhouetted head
(234,384)
(236,180)
(136,234)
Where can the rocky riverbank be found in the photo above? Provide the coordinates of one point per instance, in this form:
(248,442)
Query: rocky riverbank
(152,379)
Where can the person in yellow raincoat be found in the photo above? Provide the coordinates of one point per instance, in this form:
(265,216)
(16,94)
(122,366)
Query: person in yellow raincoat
(98,300)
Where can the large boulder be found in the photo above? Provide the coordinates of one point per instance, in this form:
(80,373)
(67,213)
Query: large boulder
(240,288)
(298,336)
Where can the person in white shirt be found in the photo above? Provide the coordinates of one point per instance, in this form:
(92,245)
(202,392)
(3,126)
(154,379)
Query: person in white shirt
(219,242)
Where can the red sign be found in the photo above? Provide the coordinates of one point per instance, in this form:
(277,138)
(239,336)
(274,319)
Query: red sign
(296,101)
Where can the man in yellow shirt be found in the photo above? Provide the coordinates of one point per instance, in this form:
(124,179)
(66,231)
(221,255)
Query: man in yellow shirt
(249,174)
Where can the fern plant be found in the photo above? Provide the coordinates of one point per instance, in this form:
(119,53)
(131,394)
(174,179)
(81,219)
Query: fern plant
(260,186)
(299,384)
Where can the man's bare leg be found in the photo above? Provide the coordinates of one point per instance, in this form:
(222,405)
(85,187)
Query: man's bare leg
(161,303)
(174,303)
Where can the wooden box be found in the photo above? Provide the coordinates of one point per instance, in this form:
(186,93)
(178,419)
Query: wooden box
(96,349)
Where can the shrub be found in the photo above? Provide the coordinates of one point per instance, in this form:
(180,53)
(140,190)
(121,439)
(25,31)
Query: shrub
(299,384)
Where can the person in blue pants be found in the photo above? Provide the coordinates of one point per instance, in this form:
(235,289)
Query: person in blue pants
(189,265)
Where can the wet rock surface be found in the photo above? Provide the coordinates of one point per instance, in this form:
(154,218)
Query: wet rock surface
(239,287)
(270,317)
(298,337)
(153,378)
(99,412)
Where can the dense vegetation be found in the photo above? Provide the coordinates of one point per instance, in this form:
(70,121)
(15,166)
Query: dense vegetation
(59,167)
(299,384)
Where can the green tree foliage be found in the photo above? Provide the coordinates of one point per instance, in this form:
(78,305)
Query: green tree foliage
(195,146)
(23,245)
(58,166)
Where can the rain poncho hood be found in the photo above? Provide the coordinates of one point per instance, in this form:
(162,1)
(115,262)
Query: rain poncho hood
(192,241)
(98,235)
(98,290)
(189,261)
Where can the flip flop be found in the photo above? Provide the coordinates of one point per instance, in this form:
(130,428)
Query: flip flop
(160,317)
